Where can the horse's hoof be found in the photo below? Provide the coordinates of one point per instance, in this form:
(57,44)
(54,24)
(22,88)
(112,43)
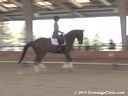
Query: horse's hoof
(62,69)
(68,70)
(25,65)
(20,73)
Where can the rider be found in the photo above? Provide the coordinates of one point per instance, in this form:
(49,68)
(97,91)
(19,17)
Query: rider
(57,31)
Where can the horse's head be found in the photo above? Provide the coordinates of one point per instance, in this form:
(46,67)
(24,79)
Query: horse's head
(80,36)
(75,34)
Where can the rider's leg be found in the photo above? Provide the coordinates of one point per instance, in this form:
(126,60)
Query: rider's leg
(60,44)
(61,48)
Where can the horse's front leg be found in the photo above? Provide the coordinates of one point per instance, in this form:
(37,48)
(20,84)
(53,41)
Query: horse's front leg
(68,65)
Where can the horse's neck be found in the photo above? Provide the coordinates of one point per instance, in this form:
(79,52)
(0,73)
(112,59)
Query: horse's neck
(69,40)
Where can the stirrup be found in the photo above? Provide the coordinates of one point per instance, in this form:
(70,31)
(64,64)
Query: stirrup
(60,48)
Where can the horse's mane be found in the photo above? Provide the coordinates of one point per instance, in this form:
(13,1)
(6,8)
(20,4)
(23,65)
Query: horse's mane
(72,31)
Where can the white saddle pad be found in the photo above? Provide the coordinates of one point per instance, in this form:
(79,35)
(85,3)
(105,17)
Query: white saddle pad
(54,41)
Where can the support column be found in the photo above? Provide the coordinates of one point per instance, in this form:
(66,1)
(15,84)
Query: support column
(122,13)
(28,17)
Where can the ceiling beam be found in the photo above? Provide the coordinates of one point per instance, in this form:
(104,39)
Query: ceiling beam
(19,12)
(43,6)
(106,2)
(67,8)
(75,3)
(46,6)
(3,9)
(16,3)
(8,18)
(4,18)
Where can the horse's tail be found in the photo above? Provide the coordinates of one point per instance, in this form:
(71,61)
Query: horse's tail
(29,44)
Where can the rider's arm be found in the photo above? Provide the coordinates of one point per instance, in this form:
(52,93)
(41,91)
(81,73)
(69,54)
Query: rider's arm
(56,28)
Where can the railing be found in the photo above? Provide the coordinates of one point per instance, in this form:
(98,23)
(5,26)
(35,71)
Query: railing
(11,48)
(104,47)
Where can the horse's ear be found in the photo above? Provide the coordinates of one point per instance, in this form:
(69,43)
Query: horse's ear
(83,30)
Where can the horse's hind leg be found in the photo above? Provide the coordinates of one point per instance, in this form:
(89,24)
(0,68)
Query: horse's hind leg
(38,65)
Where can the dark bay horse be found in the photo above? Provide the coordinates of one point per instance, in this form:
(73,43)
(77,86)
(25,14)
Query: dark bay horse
(43,45)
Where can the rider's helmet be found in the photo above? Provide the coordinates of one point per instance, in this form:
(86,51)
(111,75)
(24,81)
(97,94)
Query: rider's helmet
(56,18)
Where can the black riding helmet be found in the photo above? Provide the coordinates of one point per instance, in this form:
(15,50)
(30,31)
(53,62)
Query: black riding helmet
(56,18)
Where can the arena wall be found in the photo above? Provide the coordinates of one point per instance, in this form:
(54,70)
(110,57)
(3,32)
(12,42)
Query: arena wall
(81,56)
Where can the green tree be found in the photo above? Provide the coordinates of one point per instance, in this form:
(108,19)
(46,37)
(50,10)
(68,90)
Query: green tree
(6,36)
(97,39)
(19,37)
(97,43)
(86,41)
(22,36)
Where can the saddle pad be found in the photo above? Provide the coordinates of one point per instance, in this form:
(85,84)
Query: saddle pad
(54,41)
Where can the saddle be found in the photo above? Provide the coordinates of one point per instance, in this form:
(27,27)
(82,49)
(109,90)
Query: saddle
(59,43)
(54,41)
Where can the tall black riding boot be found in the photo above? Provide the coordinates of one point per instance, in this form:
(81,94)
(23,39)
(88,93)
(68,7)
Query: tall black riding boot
(60,47)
